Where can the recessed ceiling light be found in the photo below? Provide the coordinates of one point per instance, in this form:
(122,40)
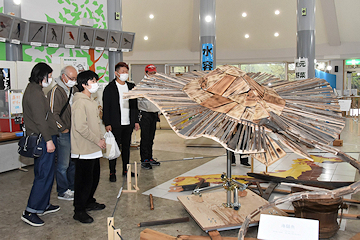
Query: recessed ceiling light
(151,16)
(244,14)
(329,67)
(247,36)
(146,38)
(276,34)
(17,2)
(277,12)
(208,18)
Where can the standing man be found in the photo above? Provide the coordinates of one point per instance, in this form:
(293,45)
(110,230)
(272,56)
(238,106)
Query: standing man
(120,115)
(60,97)
(149,115)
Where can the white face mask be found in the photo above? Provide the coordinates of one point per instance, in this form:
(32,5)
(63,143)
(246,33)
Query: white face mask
(124,76)
(70,83)
(94,87)
(46,84)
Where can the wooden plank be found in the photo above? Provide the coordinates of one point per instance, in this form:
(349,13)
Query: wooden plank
(344,215)
(194,237)
(215,235)
(211,215)
(165,221)
(355,237)
(148,234)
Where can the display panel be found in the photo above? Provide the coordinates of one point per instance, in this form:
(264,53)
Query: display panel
(54,33)
(100,38)
(36,32)
(71,35)
(127,40)
(18,29)
(86,36)
(114,39)
(5,26)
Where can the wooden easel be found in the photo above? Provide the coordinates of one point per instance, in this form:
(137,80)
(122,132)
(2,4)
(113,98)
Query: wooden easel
(113,234)
(128,179)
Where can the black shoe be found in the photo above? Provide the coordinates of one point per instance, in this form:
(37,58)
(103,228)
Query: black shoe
(112,177)
(50,209)
(247,165)
(146,165)
(153,162)
(32,219)
(83,217)
(95,206)
(132,174)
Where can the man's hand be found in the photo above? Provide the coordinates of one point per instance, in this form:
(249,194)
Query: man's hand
(65,131)
(108,128)
(137,126)
(50,146)
(102,143)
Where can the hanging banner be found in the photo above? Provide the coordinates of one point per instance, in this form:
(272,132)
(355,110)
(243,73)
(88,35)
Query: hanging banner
(301,68)
(207,57)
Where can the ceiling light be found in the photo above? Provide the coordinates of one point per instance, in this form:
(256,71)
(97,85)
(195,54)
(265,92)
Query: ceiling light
(276,34)
(329,68)
(244,14)
(277,12)
(17,2)
(146,38)
(247,36)
(151,16)
(208,18)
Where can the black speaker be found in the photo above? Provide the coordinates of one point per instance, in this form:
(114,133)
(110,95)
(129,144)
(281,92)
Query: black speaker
(336,68)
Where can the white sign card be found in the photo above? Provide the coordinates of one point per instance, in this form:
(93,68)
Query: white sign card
(273,227)
(301,68)
(16,103)
(79,63)
(345,105)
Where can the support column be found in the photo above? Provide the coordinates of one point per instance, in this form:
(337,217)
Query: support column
(13,51)
(207,35)
(113,7)
(306,33)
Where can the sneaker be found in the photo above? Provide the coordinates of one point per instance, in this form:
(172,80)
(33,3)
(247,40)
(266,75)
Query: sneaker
(112,177)
(32,219)
(83,217)
(247,165)
(146,165)
(50,209)
(153,162)
(95,206)
(132,174)
(67,195)
(233,164)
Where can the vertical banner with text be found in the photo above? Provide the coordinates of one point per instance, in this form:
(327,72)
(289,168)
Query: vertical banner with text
(207,57)
(301,68)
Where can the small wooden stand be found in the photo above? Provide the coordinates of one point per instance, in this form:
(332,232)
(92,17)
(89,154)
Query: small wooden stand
(128,179)
(113,234)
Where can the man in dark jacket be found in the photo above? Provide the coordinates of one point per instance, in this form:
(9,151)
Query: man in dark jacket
(60,97)
(120,115)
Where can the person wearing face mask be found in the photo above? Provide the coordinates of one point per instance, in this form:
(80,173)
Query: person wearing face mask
(149,115)
(120,116)
(87,143)
(61,98)
(38,120)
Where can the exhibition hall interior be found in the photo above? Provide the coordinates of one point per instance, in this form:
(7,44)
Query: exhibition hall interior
(229,119)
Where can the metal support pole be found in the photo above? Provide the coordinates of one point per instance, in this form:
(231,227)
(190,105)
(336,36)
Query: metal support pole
(306,33)
(114,8)
(13,51)
(228,173)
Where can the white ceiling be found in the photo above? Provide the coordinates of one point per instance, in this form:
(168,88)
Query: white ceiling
(173,33)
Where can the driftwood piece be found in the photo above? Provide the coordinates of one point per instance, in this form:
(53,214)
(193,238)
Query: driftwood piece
(165,221)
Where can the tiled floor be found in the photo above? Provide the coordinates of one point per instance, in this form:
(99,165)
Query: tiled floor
(133,208)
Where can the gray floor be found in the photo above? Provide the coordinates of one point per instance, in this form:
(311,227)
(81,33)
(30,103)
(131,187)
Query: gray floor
(132,208)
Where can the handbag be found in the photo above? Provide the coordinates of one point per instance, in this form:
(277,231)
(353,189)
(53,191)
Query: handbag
(29,146)
(112,149)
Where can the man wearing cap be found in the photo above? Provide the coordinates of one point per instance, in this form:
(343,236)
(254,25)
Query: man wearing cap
(149,115)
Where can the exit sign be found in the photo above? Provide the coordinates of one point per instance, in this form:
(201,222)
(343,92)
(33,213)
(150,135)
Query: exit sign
(352,62)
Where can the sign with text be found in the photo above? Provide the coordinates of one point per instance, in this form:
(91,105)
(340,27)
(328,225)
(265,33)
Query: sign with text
(16,103)
(301,68)
(5,79)
(273,227)
(207,57)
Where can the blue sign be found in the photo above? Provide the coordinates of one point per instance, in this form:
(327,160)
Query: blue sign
(207,59)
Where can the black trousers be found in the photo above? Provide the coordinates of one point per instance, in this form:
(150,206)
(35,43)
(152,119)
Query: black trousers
(123,140)
(242,160)
(87,175)
(148,127)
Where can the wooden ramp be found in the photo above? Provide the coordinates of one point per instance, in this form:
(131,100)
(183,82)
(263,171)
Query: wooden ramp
(210,214)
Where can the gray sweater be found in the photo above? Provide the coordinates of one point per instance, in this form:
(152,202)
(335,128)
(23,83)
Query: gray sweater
(36,111)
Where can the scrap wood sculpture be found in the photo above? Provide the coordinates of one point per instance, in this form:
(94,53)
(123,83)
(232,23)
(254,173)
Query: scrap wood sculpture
(233,107)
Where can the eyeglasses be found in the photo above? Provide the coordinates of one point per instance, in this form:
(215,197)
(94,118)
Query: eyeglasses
(72,79)
(152,73)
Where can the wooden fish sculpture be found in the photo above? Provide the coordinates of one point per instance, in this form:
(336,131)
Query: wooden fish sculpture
(248,113)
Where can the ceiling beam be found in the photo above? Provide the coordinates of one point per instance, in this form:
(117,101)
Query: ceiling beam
(331,22)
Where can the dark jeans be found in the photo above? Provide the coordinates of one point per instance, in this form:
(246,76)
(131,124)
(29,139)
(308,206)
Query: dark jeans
(44,171)
(123,139)
(148,128)
(87,175)
(65,170)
